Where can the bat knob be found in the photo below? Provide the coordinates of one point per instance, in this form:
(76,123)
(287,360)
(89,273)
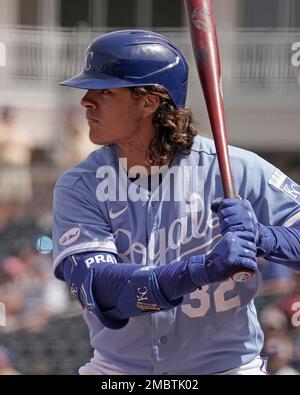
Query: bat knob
(242,276)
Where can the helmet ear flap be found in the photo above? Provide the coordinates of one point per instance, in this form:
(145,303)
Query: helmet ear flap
(130,58)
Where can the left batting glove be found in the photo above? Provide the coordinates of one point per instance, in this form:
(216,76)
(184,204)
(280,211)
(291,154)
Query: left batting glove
(237,215)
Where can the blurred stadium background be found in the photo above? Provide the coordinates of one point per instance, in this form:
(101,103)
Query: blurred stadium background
(42,133)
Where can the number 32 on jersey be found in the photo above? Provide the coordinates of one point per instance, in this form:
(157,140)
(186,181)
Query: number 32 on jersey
(204,298)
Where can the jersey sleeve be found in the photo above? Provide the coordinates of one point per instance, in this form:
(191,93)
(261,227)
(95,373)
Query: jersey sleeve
(78,225)
(274,196)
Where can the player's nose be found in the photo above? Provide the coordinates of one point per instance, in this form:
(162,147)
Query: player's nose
(87,101)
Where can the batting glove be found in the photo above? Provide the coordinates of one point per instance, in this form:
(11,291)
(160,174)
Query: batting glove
(238,215)
(235,252)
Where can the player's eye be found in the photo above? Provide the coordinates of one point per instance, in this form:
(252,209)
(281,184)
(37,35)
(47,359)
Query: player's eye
(105,91)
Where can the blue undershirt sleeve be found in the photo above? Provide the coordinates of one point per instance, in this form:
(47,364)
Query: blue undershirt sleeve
(286,245)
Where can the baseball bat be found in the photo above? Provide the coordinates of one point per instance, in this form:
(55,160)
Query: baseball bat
(206,52)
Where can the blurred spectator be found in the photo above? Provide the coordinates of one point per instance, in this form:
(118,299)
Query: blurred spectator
(282,338)
(21,232)
(6,365)
(287,304)
(15,159)
(13,272)
(76,144)
(278,279)
(273,321)
(278,283)
(30,292)
(279,351)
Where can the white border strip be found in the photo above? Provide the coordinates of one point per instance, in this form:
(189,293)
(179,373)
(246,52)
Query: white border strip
(2,315)
(2,55)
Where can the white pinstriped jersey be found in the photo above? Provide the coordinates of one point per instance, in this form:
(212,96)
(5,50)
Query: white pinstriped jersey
(215,328)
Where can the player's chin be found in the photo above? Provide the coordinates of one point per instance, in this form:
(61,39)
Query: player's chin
(98,138)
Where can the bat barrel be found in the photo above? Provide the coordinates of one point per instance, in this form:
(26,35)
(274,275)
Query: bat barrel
(206,51)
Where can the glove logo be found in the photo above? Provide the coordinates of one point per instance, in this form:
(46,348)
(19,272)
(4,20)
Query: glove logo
(142,294)
(142,297)
(69,237)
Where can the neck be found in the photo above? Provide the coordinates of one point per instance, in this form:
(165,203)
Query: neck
(134,149)
(134,154)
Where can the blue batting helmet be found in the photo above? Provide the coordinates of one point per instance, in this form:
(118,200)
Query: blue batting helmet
(130,58)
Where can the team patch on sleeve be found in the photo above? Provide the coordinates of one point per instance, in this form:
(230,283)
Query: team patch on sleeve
(285,185)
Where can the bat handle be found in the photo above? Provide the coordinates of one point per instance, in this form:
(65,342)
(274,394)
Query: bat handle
(225,169)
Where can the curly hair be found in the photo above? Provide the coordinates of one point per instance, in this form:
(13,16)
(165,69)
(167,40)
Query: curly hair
(173,128)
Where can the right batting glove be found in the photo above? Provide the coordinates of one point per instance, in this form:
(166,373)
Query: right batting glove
(235,252)
(238,215)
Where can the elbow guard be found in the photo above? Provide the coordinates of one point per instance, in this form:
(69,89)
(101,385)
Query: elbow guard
(114,292)
(79,273)
(140,295)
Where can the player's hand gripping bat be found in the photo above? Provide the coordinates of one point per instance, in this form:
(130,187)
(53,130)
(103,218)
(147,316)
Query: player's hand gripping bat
(206,53)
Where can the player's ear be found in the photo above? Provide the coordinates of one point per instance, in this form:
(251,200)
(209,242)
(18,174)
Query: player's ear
(150,104)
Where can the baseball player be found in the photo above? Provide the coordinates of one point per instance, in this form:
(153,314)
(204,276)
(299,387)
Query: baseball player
(134,235)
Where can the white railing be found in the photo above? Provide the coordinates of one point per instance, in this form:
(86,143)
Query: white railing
(55,54)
